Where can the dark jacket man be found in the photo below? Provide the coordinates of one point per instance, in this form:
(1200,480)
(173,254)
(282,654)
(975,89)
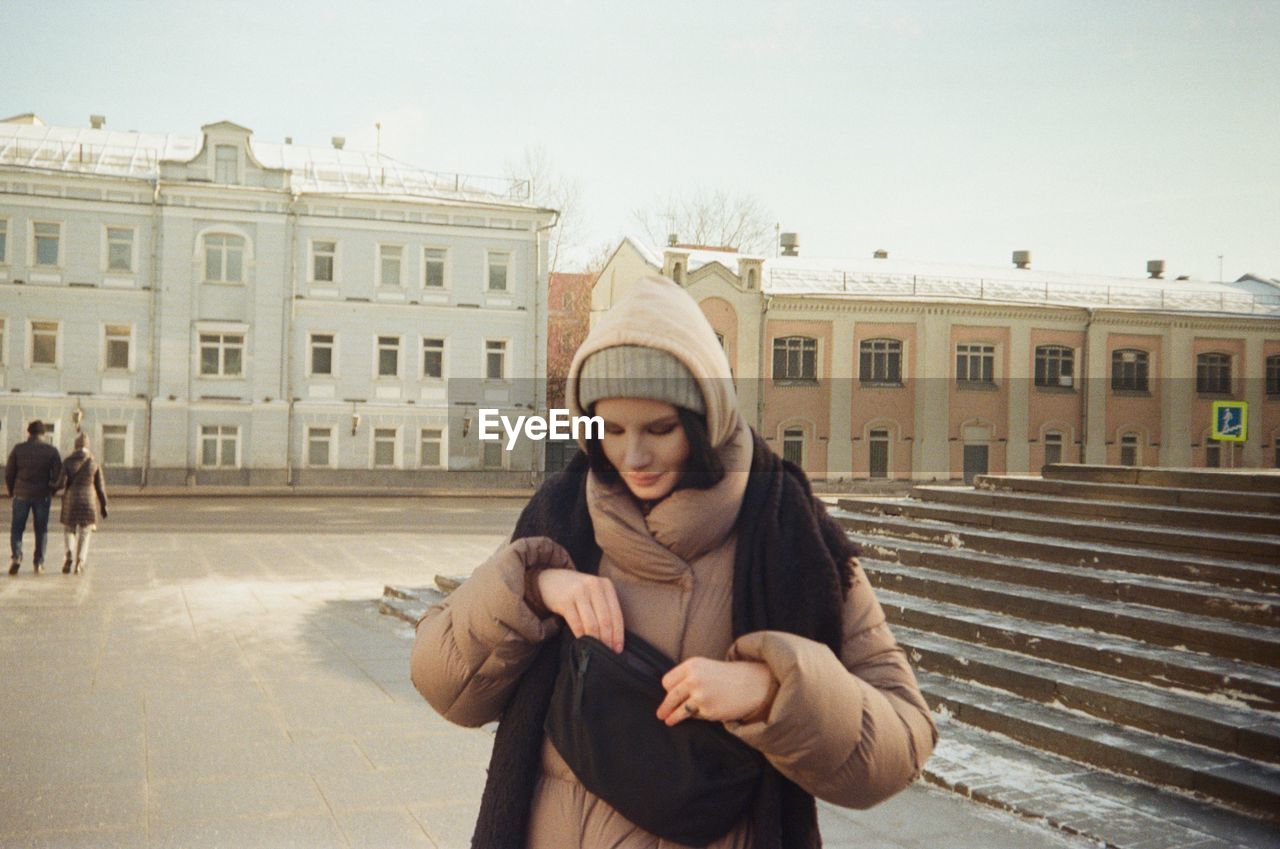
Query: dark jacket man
(32,475)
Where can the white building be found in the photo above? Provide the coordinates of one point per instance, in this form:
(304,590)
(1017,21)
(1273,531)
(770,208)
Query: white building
(215,310)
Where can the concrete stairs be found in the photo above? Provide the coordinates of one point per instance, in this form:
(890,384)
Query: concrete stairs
(1112,634)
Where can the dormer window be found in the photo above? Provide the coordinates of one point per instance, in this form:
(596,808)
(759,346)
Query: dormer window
(226,164)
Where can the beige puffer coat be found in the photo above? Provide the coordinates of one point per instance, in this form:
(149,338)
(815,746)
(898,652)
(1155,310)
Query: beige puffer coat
(852,730)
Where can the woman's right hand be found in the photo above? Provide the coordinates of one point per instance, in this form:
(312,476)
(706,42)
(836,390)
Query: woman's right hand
(587,602)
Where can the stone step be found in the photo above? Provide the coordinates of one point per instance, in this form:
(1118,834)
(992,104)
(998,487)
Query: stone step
(1205,499)
(1117,811)
(1253,547)
(1218,520)
(1228,640)
(1232,480)
(1216,724)
(1154,591)
(1248,785)
(1184,566)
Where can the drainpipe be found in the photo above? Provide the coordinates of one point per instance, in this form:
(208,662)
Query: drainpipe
(1084,394)
(539,464)
(760,354)
(154,379)
(290,314)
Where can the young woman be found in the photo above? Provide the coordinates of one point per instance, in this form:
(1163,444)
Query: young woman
(683,528)
(85,495)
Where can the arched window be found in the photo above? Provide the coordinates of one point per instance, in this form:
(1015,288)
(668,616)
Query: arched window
(1129,449)
(878,453)
(1129,370)
(677,273)
(795,358)
(1055,366)
(223,258)
(753,279)
(1052,447)
(880,361)
(1213,373)
(793,445)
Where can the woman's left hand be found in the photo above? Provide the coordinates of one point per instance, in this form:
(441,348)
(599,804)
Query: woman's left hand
(717,690)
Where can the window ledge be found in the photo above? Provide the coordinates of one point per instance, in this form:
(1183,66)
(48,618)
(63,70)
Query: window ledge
(795,381)
(881,384)
(1131,393)
(977,386)
(1056,390)
(1215,396)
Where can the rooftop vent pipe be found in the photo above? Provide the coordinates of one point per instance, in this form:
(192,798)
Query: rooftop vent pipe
(881,254)
(96,121)
(672,240)
(1022,259)
(288,139)
(1155,268)
(338,142)
(790,243)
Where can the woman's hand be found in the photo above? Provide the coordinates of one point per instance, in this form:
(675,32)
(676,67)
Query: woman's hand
(587,602)
(718,690)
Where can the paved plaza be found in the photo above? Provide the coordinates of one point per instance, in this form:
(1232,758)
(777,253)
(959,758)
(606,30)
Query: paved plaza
(221,676)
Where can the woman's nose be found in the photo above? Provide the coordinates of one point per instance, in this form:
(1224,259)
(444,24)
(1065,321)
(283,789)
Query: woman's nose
(638,454)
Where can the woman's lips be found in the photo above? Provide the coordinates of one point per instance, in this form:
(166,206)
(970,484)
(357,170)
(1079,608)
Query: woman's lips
(647,479)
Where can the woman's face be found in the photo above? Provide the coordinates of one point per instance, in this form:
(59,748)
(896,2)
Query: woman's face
(646,443)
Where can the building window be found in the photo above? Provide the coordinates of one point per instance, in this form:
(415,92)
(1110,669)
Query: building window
(1273,374)
(677,273)
(1129,370)
(433,268)
(1212,453)
(221,354)
(319,447)
(1052,448)
(753,279)
(118,337)
(389,257)
(323,258)
(880,361)
(1213,374)
(226,164)
(223,258)
(878,458)
(219,446)
(119,249)
(115,443)
(388,356)
(499,268)
(795,358)
(44,343)
(793,445)
(1276,459)
(1129,449)
(1055,366)
(975,363)
(384,448)
(4,241)
(433,358)
(320,348)
(493,455)
(48,239)
(431,448)
(495,359)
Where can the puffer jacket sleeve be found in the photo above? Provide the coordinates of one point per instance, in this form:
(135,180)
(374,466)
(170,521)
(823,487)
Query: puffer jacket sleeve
(852,730)
(472,648)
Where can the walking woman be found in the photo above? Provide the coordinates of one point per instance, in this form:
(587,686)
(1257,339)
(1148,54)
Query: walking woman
(84,495)
(679,533)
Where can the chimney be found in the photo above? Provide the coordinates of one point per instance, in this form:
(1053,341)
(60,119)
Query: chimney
(881,253)
(338,142)
(96,121)
(790,243)
(1155,268)
(1022,259)
(288,139)
(672,240)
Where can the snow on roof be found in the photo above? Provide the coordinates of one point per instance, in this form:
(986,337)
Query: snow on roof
(323,170)
(901,279)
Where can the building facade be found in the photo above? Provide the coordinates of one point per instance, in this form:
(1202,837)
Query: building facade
(214,310)
(885,369)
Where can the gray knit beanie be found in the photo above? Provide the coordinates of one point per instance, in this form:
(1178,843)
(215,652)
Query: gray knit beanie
(634,371)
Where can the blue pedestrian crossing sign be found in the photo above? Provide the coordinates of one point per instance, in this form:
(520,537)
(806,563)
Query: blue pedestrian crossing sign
(1230,421)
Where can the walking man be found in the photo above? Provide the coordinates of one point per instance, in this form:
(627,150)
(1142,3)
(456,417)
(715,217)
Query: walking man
(32,476)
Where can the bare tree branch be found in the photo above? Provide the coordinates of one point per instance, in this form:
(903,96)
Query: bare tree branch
(712,217)
(554,190)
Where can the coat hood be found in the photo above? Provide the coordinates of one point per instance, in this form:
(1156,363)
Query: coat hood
(657,313)
(74,461)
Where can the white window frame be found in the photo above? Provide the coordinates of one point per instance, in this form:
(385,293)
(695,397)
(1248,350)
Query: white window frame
(788,430)
(218,437)
(215,162)
(488,270)
(331,462)
(311,261)
(889,432)
(133,250)
(422,358)
(378,270)
(504,456)
(506,357)
(333,355)
(204,258)
(33,252)
(377,356)
(817,359)
(1137,447)
(444,271)
(6,240)
(444,447)
(128,443)
(1061,442)
(222,349)
(980,353)
(870,379)
(396,447)
(31,343)
(106,337)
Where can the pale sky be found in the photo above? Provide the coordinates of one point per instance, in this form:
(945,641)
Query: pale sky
(1095,134)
